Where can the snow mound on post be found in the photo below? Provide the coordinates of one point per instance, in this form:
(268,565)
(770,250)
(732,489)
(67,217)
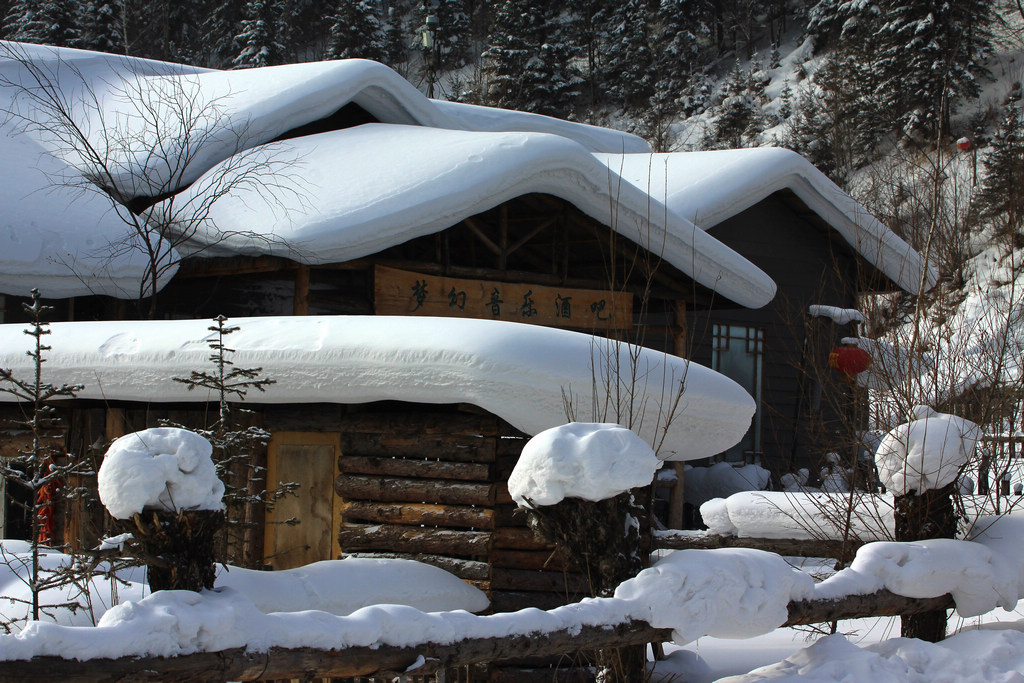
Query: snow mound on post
(925,453)
(592,461)
(164,468)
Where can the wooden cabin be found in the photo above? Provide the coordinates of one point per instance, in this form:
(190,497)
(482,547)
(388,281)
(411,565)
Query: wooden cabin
(420,208)
(365,417)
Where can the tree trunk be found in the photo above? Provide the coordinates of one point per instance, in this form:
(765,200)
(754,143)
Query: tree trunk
(178,548)
(603,538)
(918,518)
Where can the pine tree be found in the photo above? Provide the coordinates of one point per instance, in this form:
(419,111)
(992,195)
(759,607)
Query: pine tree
(223,24)
(45,22)
(626,70)
(104,25)
(1000,198)
(259,36)
(740,116)
(172,30)
(529,61)
(931,57)
(40,467)
(357,32)
(835,122)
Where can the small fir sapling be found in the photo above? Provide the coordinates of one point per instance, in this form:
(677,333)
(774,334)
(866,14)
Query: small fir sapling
(235,448)
(41,466)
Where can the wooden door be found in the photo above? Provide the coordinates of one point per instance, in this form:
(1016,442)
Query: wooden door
(309,459)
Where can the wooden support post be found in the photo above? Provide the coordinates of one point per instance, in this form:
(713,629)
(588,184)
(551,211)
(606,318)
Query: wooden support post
(116,424)
(503,257)
(300,302)
(920,517)
(675,502)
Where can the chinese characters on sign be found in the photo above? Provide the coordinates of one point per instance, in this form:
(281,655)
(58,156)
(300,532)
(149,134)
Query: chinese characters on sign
(399,292)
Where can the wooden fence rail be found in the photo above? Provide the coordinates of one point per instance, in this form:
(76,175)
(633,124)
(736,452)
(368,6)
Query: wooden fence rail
(782,546)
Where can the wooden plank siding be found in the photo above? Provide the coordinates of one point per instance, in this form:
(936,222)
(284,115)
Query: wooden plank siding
(810,265)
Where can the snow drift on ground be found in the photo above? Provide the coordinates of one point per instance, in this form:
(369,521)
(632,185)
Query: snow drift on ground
(522,373)
(164,468)
(978,656)
(592,461)
(343,586)
(337,587)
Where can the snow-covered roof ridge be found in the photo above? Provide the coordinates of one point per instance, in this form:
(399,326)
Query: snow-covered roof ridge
(392,195)
(245,108)
(522,373)
(711,187)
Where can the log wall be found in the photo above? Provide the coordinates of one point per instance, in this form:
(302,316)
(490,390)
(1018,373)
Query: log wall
(430,486)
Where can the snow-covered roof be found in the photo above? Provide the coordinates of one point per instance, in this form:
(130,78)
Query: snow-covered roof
(522,373)
(356,191)
(708,188)
(412,181)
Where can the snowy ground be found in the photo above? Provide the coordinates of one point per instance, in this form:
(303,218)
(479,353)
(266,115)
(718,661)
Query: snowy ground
(986,649)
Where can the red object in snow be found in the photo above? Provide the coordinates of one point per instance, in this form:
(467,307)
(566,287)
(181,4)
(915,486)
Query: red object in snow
(849,360)
(963,144)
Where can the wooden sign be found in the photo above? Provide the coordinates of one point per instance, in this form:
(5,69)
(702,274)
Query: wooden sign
(400,292)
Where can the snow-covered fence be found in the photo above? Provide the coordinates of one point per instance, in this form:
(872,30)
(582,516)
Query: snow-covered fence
(176,635)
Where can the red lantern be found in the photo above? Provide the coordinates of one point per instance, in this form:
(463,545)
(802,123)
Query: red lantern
(849,360)
(963,144)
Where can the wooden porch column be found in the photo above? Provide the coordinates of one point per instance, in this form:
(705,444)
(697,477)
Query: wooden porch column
(680,348)
(300,300)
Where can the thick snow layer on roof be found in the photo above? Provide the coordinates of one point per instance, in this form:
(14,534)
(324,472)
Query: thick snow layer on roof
(412,181)
(63,241)
(710,187)
(242,108)
(519,372)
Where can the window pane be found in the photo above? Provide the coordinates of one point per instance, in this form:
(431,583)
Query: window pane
(738,353)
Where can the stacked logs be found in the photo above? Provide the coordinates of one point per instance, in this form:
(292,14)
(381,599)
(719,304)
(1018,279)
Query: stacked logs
(431,487)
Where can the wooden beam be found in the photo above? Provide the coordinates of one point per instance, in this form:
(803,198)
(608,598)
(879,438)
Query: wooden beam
(305,663)
(400,490)
(423,469)
(300,300)
(782,546)
(676,498)
(477,229)
(464,569)
(234,265)
(406,539)
(418,514)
